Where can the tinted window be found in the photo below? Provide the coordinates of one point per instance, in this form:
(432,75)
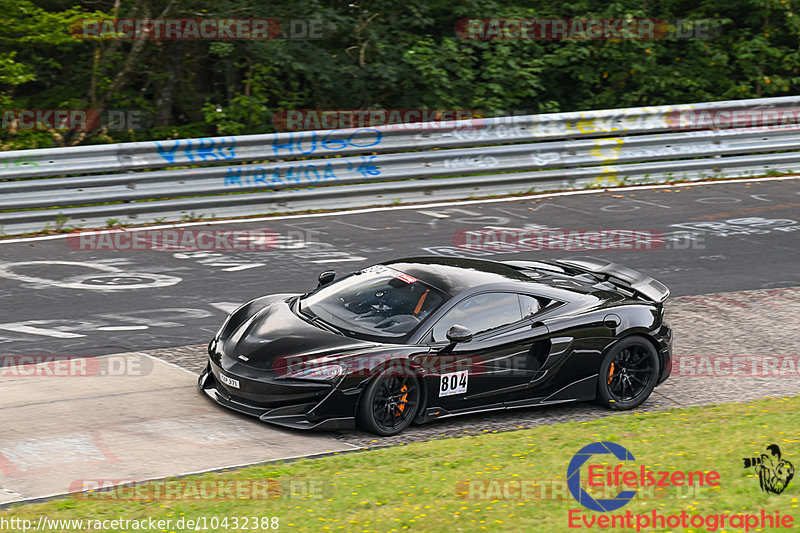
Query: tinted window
(378,301)
(480,313)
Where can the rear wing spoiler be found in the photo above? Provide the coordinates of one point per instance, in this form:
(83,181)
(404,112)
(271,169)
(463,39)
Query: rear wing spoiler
(620,276)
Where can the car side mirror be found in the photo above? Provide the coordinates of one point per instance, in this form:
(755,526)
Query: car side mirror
(457,334)
(326,277)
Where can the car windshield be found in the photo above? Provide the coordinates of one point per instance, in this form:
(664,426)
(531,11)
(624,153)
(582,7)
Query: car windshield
(377,301)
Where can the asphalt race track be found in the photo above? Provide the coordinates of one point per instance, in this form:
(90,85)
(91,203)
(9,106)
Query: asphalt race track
(730,257)
(58,300)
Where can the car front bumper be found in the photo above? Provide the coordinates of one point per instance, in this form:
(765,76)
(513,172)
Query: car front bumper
(289,403)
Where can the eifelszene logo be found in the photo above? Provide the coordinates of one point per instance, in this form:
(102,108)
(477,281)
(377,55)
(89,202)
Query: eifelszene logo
(574,477)
(774,472)
(602,476)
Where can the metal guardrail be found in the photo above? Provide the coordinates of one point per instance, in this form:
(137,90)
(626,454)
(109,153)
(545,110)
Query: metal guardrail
(335,168)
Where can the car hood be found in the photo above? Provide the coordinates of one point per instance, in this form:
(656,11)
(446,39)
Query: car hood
(275,337)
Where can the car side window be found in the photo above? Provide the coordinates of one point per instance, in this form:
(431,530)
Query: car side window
(481,312)
(529,305)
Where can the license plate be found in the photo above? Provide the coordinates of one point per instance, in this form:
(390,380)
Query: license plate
(229,381)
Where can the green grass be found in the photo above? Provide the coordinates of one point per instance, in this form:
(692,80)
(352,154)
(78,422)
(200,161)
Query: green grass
(417,486)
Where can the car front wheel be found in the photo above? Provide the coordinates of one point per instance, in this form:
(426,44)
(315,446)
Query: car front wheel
(389,403)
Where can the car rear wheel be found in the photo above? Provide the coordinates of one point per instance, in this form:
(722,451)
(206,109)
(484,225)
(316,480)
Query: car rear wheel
(389,403)
(628,374)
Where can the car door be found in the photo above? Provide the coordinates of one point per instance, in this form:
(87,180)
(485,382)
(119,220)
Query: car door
(576,348)
(497,364)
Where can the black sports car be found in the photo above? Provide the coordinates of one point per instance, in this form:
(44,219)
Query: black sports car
(423,338)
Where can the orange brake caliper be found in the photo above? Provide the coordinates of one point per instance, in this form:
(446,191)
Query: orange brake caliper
(610,373)
(403,400)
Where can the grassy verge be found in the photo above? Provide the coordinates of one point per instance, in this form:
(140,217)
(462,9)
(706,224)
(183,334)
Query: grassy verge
(426,486)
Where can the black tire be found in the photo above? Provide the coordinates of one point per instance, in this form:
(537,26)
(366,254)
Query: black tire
(390,401)
(628,374)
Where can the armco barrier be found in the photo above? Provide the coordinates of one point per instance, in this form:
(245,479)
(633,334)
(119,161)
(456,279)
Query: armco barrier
(83,186)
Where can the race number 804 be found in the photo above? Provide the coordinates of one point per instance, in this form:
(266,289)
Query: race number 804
(453,383)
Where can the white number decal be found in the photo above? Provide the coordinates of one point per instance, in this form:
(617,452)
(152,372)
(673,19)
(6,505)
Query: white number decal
(453,383)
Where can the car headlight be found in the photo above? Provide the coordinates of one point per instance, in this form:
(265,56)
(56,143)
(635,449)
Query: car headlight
(321,373)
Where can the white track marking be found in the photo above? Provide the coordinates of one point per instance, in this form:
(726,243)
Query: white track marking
(237,267)
(121,328)
(30,330)
(115,278)
(405,207)
(341,260)
(357,226)
(434,214)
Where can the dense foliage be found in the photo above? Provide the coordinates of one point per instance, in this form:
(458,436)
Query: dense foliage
(377,54)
